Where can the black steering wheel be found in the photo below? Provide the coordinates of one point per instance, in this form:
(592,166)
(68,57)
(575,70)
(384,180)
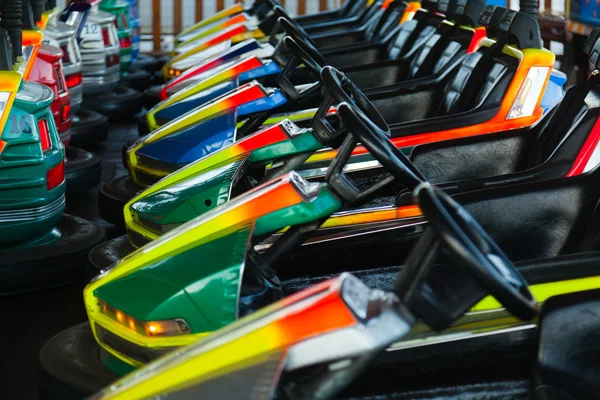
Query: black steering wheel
(304,53)
(301,41)
(341,89)
(282,13)
(472,248)
(368,127)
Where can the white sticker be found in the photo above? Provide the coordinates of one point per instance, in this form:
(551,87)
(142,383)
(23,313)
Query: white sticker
(92,31)
(529,94)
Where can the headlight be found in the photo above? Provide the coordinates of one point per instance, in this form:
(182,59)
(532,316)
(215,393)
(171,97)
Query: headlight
(167,327)
(174,72)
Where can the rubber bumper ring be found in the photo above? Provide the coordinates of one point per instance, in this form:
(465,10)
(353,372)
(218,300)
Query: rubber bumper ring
(152,96)
(136,79)
(113,197)
(107,253)
(149,63)
(83,170)
(60,262)
(121,103)
(124,148)
(88,128)
(70,366)
(142,124)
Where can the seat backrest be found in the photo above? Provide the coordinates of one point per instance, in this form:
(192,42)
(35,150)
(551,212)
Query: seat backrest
(471,86)
(449,40)
(568,130)
(536,219)
(389,19)
(352,7)
(413,33)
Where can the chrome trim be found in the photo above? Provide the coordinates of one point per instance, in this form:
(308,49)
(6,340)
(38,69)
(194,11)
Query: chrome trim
(348,231)
(30,214)
(352,167)
(450,337)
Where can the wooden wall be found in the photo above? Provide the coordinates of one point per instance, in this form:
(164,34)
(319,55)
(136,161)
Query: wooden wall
(178,12)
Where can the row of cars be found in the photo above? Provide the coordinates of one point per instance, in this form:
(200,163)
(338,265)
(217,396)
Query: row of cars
(69,61)
(427,148)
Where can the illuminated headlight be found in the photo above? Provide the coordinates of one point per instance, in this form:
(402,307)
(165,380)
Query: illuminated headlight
(168,327)
(174,72)
(529,94)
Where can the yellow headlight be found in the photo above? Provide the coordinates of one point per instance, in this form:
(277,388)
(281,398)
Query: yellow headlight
(168,327)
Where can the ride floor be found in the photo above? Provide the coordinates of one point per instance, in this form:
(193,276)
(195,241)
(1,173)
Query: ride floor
(28,320)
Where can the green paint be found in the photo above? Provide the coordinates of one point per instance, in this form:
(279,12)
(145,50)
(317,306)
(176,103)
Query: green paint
(23,169)
(196,194)
(117,366)
(199,284)
(120,9)
(323,206)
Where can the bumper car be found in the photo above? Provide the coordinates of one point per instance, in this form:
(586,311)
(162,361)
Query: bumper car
(267,239)
(40,246)
(410,51)
(260,8)
(342,339)
(469,107)
(87,127)
(220,38)
(100,49)
(340,48)
(135,79)
(82,168)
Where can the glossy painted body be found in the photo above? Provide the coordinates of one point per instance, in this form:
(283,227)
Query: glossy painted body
(47,70)
(267,339)
(528,60)
(200,35)
(216,18)
(201,92)
(173,201)
(63,36)
(213,65)
(220,236)
(199,51)
(272,330)
(121,10)
(100,52)
(29,208)
(140,280)
(199,132)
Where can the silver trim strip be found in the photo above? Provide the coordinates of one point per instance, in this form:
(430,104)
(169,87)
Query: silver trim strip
(30,214)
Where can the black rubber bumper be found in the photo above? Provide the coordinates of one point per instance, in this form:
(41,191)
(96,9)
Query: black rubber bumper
(107,253)
(88,128)
(137,79)
(149,63)
(122,103)
(83,170)
(63,261)
(152,96)
(113,197)
(70,366)
(142,124)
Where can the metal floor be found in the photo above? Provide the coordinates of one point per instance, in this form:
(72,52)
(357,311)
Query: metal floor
(28,320)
